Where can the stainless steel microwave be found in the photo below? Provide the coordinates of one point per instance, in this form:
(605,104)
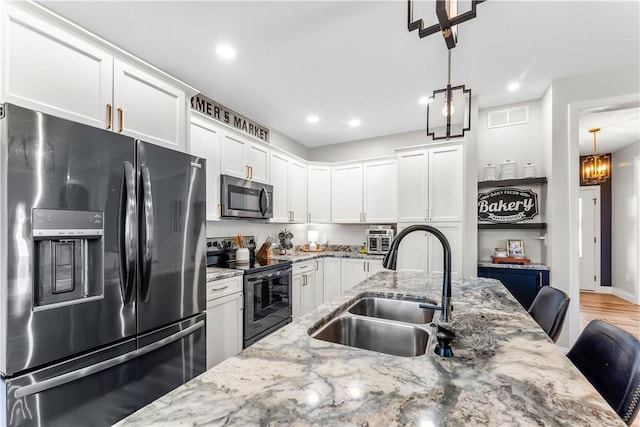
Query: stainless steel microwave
(241,198)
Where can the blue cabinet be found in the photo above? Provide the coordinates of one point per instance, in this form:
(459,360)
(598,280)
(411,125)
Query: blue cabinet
(523,284)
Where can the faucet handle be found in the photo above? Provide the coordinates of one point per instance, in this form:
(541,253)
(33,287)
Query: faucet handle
(430,306)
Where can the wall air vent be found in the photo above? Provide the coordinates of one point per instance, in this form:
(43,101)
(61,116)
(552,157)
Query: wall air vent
(510,117)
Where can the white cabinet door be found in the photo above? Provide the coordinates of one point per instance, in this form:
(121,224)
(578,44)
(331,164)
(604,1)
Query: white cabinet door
(373,266)
(49,70)
(332,278)
(412,186)
(148,108)
(354,271)
(280,181)
(296,296)
(307,297)
(318,282)
(319,194)
(380,191)
(224,328)
(453,233)
(446,183)
(412,252)
(258,160)
(205,143)
(232,156)
(346,193)
(298,191)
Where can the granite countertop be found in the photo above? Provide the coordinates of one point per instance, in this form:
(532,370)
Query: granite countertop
(217,273)
(299,256)
(513,266)
(505,371)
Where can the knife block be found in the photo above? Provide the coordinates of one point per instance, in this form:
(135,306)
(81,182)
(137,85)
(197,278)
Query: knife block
(265,251)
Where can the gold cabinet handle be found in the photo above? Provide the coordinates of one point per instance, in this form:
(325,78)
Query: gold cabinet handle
(109,116)
(247,172)
(120,120)
(219,210)
(250,172)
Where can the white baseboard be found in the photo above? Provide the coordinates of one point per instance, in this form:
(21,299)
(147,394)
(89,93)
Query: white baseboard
(626,295)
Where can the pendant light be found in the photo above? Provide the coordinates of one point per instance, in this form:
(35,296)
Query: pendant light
(448,109)
(596,168)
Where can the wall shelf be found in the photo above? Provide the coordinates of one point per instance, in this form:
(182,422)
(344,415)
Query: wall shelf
(512,182)
(524,226)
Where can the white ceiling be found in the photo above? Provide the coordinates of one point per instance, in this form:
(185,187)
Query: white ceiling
(356,59)
(619,127)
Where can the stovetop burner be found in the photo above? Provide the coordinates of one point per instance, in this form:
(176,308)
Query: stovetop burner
(221,252)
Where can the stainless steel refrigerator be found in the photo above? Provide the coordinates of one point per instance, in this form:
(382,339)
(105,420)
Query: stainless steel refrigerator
(102,271)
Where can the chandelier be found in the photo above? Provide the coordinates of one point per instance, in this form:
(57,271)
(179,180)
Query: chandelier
(448,109)
(596,168)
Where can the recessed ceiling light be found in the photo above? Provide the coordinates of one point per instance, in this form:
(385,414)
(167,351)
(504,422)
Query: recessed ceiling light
(424,100)
(354,123)
(226,51)
(313,118)
(514,86)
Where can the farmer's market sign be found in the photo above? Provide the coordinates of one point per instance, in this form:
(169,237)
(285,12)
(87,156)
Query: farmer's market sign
(507,205)
(229,117)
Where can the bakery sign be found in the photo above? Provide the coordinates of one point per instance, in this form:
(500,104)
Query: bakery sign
(219,112)
(507,205)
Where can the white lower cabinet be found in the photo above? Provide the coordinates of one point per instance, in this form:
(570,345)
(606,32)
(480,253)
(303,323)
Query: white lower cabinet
(303,288)
(332,272)
(355,271)
(224,319)
(318,282)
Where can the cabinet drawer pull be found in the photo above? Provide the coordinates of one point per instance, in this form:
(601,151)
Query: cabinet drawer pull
(120,120)
(109,116)
(220,289)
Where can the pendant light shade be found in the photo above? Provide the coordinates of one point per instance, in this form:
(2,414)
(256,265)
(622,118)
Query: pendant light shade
(596,168)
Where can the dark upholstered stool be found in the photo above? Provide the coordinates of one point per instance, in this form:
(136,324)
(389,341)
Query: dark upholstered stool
(549,309)
(610,359)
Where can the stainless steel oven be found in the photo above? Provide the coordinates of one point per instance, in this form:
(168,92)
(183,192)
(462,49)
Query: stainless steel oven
(267,302)
(241,198)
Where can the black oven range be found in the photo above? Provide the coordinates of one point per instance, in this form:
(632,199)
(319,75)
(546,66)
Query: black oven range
(267,286)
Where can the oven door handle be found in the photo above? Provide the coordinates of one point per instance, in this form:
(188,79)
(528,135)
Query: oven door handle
(259,277)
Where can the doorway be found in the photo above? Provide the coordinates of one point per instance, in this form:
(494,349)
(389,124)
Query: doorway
(589,237)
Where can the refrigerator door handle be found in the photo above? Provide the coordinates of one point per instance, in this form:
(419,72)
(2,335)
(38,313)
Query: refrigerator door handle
(146,248)
(128,234)
(106,364)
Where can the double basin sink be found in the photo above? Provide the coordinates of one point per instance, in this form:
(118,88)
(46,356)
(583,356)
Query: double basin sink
(391,326)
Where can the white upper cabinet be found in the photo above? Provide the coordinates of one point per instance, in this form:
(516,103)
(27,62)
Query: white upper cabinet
(289,180)
(50,70)
(298,191)
(244,159)
(346,193)
(147,108)
(280,181)
(205,143)
(431,184)
(412,188)
(319,194)
(380,191)
(422,251)
(364,192)
(446,183)
(51,67)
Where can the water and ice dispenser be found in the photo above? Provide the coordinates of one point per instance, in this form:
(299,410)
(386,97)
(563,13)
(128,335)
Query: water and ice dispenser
(69,252)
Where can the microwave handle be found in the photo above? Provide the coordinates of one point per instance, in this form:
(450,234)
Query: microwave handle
(264,194)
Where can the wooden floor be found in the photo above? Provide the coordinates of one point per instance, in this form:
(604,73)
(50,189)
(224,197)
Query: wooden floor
(609,308)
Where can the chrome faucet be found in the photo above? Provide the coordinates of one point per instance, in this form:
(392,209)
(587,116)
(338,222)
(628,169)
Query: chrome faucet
(391,258)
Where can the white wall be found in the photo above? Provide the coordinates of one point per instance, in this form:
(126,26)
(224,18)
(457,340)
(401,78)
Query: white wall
(624,250)
(570,95)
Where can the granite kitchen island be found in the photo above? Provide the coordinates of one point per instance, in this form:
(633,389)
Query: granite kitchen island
(505,372)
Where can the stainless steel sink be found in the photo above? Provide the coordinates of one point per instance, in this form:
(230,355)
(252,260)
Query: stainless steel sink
(376,335)
(392,309)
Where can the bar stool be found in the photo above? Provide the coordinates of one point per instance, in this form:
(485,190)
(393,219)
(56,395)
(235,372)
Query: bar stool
(549,309)
(610,359)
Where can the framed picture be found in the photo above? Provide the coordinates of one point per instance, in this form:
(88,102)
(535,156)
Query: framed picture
(515,247)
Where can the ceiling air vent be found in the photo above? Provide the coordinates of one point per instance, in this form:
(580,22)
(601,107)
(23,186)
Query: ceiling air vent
(510,117)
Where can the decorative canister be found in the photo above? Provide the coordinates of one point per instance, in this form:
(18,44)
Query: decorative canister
(529,170)
(489,173)
(508,170)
